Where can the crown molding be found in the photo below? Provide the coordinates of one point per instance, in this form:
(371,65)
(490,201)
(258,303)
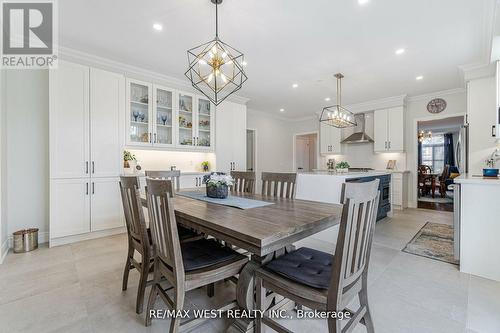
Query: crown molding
(128,70)
(376,104)
(477,71)
(432,95)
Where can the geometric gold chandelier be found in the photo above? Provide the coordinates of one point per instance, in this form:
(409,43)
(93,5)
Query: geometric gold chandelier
(337,115)
(216,68)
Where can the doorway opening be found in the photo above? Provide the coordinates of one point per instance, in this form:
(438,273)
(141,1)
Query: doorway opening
(251,150)
(306,152)
(440,149)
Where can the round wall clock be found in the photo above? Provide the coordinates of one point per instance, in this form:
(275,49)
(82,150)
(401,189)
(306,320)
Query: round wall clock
(437,105)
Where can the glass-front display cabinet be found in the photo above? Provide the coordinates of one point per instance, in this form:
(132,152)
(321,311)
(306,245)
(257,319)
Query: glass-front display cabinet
(163,133)
(186,119)
(139,111)
(205,121)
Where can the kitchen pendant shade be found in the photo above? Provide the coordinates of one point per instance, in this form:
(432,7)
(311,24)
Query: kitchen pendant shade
(337,115)
(216,68)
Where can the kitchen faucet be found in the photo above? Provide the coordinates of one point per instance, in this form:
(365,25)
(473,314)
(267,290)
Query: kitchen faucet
(495,156)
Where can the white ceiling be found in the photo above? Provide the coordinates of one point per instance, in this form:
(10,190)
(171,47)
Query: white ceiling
(288,41)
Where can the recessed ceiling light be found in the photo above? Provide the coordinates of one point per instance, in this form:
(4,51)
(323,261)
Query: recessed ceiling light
(363,2)
(157,27)
(244,63)
(282,110)
(327,99)
(295,85)
(420,77)
(400,51)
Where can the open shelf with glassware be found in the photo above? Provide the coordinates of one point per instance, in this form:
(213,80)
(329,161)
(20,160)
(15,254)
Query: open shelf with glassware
(162,117)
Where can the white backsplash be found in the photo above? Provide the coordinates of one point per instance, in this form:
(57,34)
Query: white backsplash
(163,160)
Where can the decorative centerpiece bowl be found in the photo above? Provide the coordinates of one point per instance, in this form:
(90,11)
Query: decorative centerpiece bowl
(218,185)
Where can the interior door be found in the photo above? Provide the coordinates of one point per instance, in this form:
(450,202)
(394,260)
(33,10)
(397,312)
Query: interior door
(302,154)
(380,130)
(69,121)
(395,126)
(69,207)
(107,96)
(106,206)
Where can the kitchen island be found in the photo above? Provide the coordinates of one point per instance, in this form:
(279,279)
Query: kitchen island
(324,186)
(478,219)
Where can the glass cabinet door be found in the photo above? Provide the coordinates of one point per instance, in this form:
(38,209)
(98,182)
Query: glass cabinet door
(186,120)
(139,113)
(203,138)
(163,133)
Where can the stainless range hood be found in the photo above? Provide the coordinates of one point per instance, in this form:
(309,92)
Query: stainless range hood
(359,135)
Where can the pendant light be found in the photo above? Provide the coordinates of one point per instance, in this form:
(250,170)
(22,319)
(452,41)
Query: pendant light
(337,115)
(216,68)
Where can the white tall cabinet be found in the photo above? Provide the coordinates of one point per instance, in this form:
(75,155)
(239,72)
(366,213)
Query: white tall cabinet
(231,125)
(330,138)
(85,151)
(388,128)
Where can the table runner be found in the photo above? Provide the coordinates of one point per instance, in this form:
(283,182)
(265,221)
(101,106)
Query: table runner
(232,201)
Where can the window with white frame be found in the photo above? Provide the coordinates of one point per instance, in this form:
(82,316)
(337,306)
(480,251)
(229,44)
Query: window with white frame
(433,153)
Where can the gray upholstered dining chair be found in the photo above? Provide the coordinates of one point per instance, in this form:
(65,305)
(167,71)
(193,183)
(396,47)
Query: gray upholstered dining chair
(279,184)
(186,266)
(173,175)
(244,181)
(326,282)
(139,238)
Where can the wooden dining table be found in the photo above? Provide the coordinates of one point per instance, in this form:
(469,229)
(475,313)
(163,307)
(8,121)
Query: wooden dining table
(265,232)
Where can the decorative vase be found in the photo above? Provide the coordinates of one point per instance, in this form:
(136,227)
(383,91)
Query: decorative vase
(342,170)
(218,192)
(126,164)
(205,168)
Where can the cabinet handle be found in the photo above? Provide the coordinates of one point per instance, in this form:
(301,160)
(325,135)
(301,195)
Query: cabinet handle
(196,181)
(93,167)
(150,138)
(389,144)
(87,167)
(155,137)
(86,188)
(93,187)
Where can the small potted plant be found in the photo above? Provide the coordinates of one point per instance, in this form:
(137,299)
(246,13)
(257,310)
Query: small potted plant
(127,157)
(218,185)
(205,165)
(342,167)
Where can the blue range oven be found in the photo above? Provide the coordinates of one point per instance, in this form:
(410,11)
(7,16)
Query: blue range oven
(384,205)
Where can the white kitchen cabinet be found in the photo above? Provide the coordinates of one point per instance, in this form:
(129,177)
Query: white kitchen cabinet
(139,113)
(330,138)
(191,180)
(86,105)
(69,121)
(231,137)
(388,130)
(164,116)
(69,207)
(107,98)
(105,202)
(399,190)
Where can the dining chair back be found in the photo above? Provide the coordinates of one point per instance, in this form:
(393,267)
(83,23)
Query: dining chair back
(279,184)
(244,181)
(173,175)
(138,238)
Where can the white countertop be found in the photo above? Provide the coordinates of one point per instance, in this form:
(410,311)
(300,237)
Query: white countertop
(183,173)
(346,175)
(476,179)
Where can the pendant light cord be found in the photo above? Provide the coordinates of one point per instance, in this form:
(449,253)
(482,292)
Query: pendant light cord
(216,19)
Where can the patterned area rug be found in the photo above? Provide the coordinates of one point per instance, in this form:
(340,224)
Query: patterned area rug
(433,241)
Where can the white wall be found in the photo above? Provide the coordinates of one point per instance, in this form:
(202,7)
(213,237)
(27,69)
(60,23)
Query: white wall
(416,110)
(3,171)
(481,115)
(27,115)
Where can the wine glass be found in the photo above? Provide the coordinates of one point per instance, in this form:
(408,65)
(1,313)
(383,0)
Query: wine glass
(135,114)
(142,116)
(164,119)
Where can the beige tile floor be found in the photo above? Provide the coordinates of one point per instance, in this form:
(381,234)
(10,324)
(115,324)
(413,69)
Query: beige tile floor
(77,288)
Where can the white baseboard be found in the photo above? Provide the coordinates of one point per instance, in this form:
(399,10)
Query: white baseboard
(43,237)
(4,250)
(86,236)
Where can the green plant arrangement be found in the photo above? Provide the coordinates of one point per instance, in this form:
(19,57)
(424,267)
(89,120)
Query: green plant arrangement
(205,165)
(128,156)
(342,166)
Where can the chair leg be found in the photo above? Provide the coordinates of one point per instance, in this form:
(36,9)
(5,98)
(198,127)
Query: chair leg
(334,326)
(261,295)
(130,253)
(178,305)
(363,301)
(211,290)
(141,289)
(153,294)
